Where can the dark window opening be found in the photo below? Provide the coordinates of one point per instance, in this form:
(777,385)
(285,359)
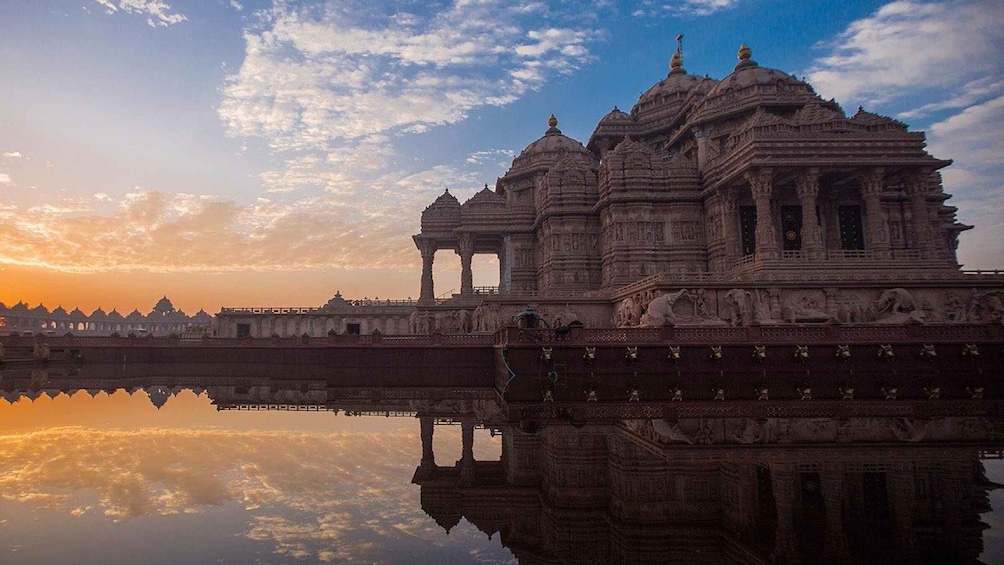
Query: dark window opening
(353,329)
(791,227)
(876,495)
(747,228)
(243,330)
(851,230)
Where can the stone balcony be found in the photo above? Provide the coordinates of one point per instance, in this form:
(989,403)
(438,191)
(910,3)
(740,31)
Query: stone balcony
(856,264)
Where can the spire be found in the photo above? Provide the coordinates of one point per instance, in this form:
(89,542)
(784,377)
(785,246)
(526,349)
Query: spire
(552,123)
(676,63)
(745,54)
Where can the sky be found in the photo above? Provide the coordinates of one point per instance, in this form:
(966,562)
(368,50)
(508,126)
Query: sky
(273,152)
(125,482)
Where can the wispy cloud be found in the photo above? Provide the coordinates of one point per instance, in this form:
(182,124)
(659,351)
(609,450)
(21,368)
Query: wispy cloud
(310,496)
(315,80)
(975,139)
(946,55)
(157,12)
(907,47)
(657,8)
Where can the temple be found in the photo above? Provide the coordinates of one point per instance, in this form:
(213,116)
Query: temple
(745,200)
(163,319)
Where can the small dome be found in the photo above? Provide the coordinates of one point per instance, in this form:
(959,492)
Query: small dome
(443,213)
(114,314)
(59,311)
(552,147)
(163,306)
(99,313)
(616,116)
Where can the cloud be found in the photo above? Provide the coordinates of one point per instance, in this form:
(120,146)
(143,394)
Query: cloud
(308,495)
(317,80)
(937,59)
(654,8)
(12,155)
(974,137)
(5,179)
(909,47)
(158,13)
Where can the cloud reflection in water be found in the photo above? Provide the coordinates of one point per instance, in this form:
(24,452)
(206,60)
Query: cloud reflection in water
(336,495)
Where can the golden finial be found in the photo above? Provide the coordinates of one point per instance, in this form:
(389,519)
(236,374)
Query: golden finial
(552,121)
(676,62)
(745,52)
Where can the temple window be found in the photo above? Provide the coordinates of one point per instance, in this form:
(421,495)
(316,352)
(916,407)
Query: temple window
(851,230)
(747,228)
(791,227)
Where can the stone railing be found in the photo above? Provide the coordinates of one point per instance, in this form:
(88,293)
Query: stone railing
(759,335)
(75,342)
(315,309)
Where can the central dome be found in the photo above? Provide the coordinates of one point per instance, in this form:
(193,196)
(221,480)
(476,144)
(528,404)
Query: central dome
(667,97)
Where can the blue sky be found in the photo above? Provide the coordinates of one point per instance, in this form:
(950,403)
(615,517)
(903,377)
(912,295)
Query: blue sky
(188,147)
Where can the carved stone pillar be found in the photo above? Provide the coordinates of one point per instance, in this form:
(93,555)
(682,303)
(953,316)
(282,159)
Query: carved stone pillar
(702,136)
(877,232)
(807,186)
(730,228)
(901,498)
(467,472)
(783,481)
(832,488)
(761,185)
(428,428)
(504,268)
(920,221)
(428,250)
(465,248)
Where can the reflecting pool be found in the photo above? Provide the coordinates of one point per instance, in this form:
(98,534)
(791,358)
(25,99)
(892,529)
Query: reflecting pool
(222,472)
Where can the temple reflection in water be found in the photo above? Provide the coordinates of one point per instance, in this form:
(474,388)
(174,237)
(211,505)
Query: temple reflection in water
(633,482)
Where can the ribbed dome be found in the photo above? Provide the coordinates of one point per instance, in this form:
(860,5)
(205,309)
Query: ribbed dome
(616,116)
(749,82)
(553,146)
(444,213)
(675,84)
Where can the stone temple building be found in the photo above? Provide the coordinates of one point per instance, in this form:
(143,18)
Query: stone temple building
(745,200)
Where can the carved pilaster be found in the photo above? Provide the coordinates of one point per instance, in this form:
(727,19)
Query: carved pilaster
(832,488)
(730,224)
(920,222)
(465,248)
(872,185)
(761,185)
(901,498)
(783,478)
(702,136)
(807,187)
(428,249)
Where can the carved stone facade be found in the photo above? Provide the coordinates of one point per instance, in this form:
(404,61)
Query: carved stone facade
(752,178)
(739,202)
(163,319)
